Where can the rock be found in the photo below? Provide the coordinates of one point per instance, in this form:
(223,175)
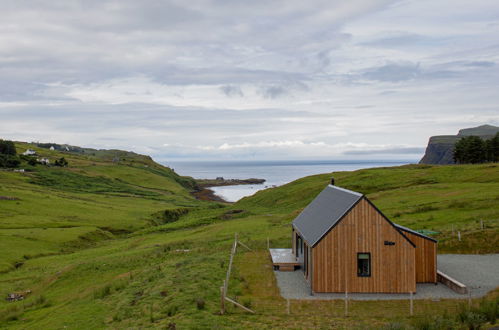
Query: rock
(440,149)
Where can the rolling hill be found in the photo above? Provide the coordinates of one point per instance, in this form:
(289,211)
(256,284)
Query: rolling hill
(106,244)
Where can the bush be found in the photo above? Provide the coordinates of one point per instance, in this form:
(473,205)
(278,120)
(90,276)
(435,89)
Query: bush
(102,292)
(394,326)
(489,310)
(62,162)
(200,303)
(247,302)
(7,148)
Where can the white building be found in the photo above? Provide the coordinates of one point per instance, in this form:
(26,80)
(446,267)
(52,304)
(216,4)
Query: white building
(29,152)
(44,161)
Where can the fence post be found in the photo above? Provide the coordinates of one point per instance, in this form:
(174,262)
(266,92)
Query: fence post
(469,296)
(268,244)
(346,303)
(481,224)
(459,235)
(288,308)
(411,308)
(222,299)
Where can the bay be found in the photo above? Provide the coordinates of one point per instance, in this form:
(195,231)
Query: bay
(275,173)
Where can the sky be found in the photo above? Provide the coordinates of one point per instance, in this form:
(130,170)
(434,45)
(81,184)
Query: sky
(248,80)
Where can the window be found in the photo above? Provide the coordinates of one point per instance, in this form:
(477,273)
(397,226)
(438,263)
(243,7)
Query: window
(363,264)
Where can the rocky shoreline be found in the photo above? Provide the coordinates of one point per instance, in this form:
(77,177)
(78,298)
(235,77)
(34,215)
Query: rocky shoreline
(203,192)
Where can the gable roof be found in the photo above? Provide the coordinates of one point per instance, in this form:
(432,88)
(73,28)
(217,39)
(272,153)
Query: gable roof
(324,212)
(414,232)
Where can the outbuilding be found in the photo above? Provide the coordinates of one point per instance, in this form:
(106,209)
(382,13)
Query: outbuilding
(343,243)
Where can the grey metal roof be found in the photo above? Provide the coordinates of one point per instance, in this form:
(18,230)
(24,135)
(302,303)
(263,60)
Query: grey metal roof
(414,232)
(324,212)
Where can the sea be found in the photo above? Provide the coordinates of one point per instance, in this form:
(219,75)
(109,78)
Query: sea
(275,173)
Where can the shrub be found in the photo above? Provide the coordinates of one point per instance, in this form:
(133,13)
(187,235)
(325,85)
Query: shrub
(9,161)
(394,326)
(102,292)
(62,162)
(489,310)
(200,303)
(7,148)
(247,302)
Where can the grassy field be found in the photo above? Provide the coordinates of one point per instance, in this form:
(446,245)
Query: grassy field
(124,245)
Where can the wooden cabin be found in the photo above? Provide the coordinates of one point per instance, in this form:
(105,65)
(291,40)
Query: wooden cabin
(342,242)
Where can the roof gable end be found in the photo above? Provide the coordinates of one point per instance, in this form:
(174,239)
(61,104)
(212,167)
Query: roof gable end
(324,212)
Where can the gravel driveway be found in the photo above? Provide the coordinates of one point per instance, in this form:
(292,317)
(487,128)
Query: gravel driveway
(480,273)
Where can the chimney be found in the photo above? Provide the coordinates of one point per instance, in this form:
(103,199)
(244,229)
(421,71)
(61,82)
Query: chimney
(332,181)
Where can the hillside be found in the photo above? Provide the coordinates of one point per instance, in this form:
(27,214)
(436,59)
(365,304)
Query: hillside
(141,273)
(51,210)
(440,148)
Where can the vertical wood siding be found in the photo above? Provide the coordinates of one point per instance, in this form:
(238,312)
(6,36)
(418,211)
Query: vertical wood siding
(426,258)
(334,258)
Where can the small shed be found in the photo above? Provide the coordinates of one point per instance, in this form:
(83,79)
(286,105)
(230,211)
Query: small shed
(343,242)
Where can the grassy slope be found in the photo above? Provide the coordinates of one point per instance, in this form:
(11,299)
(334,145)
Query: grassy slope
(155,277)
(60,208)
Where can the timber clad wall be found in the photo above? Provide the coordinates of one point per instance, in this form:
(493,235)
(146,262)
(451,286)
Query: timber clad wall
(363,229)
(426,258)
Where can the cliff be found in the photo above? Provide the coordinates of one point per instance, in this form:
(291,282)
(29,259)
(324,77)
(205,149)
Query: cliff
(440,148)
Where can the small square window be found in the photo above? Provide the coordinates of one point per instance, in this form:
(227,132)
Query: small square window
(363,264)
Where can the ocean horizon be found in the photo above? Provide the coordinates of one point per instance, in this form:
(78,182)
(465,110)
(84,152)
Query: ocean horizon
(275,172)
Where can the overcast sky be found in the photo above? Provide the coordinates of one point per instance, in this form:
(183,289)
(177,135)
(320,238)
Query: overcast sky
(238,79)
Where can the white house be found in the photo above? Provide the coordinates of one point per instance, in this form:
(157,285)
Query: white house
(44,161)
(29,152)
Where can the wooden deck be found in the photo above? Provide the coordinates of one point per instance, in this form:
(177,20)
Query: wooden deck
(283,260)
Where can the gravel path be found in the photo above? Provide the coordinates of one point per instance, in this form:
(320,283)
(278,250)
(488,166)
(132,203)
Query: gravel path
(478,272)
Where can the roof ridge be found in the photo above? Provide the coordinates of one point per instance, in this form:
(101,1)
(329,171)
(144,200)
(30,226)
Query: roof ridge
(414,232)
(346,190)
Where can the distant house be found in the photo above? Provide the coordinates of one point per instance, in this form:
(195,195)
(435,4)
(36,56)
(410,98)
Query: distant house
(44,161)
(342,242)
(29,152)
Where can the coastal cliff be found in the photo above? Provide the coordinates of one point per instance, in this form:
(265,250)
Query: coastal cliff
(440,148)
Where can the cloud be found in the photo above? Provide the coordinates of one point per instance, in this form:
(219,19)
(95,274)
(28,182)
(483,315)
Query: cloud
(272,92)
(387,151)
(280,79)
(393,72)
(232,91)
(264,144)
(480,64)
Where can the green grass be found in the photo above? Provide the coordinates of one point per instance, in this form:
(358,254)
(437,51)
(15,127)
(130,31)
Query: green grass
(126,246)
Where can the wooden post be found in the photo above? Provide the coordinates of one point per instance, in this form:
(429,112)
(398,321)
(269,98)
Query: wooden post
(222,300)
(452,229)
(227,277)
(459,235)
(411,307)
(469,296)
(288,308)
(244,245)
(481,224)
(346,289)
(268,244)
(239,305)
(346,303)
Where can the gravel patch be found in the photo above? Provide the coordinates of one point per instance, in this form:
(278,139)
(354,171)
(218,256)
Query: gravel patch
(480,273)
